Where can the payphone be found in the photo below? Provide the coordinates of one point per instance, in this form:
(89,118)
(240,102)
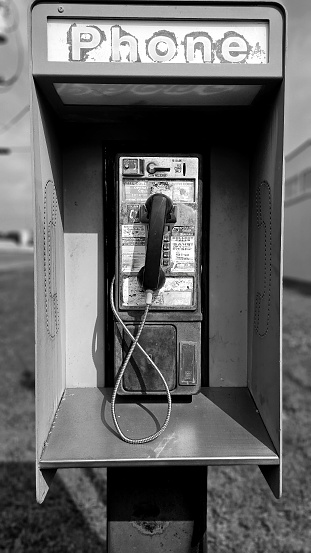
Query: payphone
(158,266)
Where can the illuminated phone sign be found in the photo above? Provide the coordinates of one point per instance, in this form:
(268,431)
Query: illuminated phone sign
(157,42)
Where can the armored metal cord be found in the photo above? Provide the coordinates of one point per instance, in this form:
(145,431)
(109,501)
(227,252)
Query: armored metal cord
(136,441)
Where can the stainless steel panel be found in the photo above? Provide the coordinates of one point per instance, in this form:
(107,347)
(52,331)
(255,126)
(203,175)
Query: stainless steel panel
(49,277)
(229,185)
(265,270)
(219,426)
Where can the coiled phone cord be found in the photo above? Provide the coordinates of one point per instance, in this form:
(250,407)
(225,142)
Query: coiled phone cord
(135,343)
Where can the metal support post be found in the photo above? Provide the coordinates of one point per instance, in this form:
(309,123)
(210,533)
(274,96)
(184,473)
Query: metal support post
(157,509)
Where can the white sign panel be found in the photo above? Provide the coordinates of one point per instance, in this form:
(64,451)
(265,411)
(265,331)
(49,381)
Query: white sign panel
(157,42)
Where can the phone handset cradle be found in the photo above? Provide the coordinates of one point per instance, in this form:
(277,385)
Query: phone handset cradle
(158,212)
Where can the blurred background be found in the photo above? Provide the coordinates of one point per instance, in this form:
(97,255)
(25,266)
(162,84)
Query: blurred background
(243,517)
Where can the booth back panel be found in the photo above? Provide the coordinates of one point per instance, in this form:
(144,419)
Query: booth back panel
(228,267)
(83,216)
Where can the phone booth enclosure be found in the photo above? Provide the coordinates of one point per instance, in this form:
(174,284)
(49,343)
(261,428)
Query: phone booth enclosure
(229,116)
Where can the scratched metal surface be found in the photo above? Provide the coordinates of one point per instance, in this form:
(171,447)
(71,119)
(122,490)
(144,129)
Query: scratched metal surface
(219,426)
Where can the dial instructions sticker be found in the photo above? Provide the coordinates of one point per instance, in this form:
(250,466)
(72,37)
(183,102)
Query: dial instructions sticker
(183,250)
(138,190)
(176,292)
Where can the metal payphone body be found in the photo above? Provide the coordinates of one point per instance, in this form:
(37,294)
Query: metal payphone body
(172,335)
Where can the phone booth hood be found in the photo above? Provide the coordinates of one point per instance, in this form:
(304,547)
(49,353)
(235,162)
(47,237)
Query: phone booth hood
(167,79)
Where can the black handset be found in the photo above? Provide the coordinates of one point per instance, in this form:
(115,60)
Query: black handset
(157,213)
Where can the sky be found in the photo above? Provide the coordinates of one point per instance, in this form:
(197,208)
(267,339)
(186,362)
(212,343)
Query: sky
(15,168)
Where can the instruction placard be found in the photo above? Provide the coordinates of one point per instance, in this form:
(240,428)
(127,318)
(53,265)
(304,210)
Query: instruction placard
(183,250)
(176,292)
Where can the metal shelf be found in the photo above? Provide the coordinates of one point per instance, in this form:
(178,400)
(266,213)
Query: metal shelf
(219,426)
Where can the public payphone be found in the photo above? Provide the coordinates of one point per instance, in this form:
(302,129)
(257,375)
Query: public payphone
(158,262)
(157,272)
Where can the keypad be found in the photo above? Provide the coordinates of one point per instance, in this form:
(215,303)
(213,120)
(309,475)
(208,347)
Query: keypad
(166,250)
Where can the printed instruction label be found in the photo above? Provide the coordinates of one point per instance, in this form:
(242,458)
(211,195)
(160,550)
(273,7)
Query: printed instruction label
(133,254)
(183,250)
(176,292)
(136,230)
(136,190)
(133,247)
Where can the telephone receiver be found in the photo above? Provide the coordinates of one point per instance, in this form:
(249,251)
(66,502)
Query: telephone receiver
(157,213)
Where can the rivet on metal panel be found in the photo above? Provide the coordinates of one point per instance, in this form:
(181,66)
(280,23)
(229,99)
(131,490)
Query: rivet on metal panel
(60,9)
